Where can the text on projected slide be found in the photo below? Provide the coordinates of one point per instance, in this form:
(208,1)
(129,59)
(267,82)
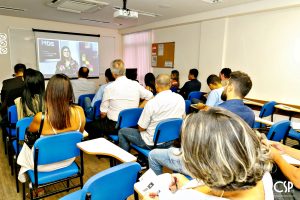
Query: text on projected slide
(67,56)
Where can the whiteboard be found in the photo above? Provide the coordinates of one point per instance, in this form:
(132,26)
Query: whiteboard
(23,49)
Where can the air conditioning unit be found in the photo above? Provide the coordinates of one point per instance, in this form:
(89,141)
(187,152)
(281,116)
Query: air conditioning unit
(77,6)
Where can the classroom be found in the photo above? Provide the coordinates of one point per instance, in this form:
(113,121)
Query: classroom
(136,86)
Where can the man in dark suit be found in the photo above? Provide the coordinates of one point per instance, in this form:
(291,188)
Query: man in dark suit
(12,88)
(192,85)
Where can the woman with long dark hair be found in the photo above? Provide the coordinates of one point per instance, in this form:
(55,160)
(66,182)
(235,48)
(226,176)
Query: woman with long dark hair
(61,115)
(66,64)
(32,99)
(150,82)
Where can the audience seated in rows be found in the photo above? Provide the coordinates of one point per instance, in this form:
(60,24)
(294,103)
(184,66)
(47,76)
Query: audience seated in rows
(32,100)
(238,86)
(99,94)
(150,82)
(166,104)
(192,85)
(225,75)
(214,97)
(61,115)
(226,156)
(175,84)
(119,95)
(12,88)
(82,85)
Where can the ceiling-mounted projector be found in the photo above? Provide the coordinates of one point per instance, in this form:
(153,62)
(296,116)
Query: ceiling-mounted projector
(126,14)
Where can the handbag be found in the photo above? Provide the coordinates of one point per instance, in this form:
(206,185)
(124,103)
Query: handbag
(31,137)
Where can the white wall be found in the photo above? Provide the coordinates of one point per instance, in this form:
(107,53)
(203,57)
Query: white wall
(266,45)
(186,38)
(24,23)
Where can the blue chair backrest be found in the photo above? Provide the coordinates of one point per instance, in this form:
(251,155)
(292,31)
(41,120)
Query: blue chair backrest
(58,147)
(279,130)
(195,95)
(187,106)
(12,114)
(167,130)
(82,97)
(129,117)
(267,109)
(97,109)
(21,126)
(114,183)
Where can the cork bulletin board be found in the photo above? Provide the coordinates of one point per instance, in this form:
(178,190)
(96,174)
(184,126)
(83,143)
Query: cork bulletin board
(163,55)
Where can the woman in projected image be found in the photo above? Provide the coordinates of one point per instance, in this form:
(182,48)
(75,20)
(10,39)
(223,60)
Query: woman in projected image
(67,64)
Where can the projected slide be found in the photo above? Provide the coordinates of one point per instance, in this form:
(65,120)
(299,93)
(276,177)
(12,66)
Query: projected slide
(67,56)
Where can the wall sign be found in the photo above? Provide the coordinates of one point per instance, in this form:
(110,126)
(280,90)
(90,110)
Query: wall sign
(3,44)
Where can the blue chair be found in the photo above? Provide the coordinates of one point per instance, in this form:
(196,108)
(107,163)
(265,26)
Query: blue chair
(187,106)
(166,130)
(279,131)
(195,95)
(82,97)
(21,126)
(127,118)
(97,109)
(111,184)
(52,149)
(267,110)
(81,102)
(294,134)
(12,116)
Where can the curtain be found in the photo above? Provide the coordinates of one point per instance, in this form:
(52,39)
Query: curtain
(137,53)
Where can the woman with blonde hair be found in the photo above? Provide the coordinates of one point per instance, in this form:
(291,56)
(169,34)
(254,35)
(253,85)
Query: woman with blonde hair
(225,156)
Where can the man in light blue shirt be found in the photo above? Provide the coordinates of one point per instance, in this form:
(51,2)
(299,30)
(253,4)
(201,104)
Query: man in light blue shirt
(98,96)
(214,97)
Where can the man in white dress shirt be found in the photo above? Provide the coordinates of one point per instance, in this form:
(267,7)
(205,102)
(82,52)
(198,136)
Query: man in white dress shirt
(82,85)
(166,104)
(119,95)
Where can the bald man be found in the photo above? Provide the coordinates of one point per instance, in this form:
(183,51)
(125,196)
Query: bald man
(166,104)
(82,85)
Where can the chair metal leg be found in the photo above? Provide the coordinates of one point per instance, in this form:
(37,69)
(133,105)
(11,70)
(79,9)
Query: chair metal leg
(31,192)
(136,195)
(16,173)
(68,185)
(81,181)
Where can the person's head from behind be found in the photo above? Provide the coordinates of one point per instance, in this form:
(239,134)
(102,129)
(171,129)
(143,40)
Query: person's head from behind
(83,72)
(225,74)
(59,97)
(108,76)
(19,69)
(162,83)
(149,80)
(193,74)
(117,68)
(220,149)
(239,85)
(213,82)
(34,86)
(175,75)
(65,52)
